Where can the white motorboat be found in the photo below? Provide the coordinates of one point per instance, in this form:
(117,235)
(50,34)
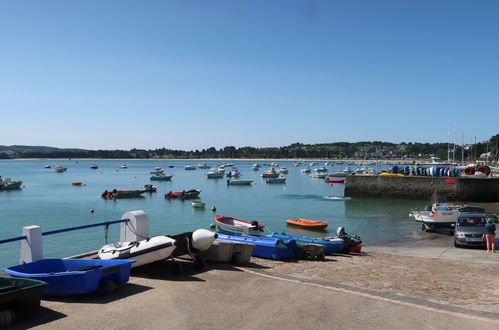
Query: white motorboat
(203,165)
(190,167)
(306,169)
(270,173)
(123,166)
(321,169)
(234,173)
(343,173)
(296,164)
(283,170)
(198,204)
(438,215)
(214,174)
(255,166)
(143,252)
(276,180)
(59,168)
(320,175)
(237,182)
(157,170)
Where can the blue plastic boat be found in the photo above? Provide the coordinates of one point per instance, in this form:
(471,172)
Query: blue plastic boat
(329,246)
(265,247)
(74,276)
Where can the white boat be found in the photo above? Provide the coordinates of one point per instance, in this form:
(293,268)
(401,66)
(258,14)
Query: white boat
(255,166)
(283,170)
(270,173)
(296,164)
(198,204)
(320,175)
(46,166)
(190,167)
(202,165)
(123,166)
(157,170)
(306,169)
(274,164)
(214,174)
(343,173)
(321,169)
(234,173)
(59,168)
(143,252)
(237,182)
(94,167)
(438,215)
(337,198)
(276,180)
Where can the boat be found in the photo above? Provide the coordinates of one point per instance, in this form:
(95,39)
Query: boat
(190,167)
(265,247)
(202,165)
(274,164)
(74,276)
(78,184)
(343,173)
(306,223)
(94,167)
(198,204)
(237,226)
(296,164)
(170,166)
(46,166)
(335,180)
(276,180)
(59,168)
(18,295)
(306,169)
(150,188)
(320,175)
(283,170)
(161,177)
(238,182)
(156,170)
(8,184)
(122,193)
(321,169)
(338,198)
(270,173)
(351,243)
(191,244)
(189,194)
(438,215)
(143,252)
(329,246)
(234,173)
(123,166)
(214,174)
(255,166)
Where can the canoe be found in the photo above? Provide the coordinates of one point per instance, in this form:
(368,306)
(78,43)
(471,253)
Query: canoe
(74,276)
(143,252)
(265,247)
(335,180)
(189,194)
(330,246)
(306,223)
(238,226)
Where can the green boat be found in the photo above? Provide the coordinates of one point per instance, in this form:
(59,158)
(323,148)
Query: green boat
(161,177)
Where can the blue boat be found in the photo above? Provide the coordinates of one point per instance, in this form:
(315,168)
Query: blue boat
(329,246)
(74,276)
(265,247)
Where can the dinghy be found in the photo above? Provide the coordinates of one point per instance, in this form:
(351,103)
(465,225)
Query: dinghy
(143,252)
(308,224)
(238,226)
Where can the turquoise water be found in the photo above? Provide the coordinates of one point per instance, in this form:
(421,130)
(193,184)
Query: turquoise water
(50,201)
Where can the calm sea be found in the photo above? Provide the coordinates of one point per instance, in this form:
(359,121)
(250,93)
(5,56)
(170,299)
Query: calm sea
(49,200)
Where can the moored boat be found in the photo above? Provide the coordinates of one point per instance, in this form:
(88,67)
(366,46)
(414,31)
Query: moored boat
(190,167)
(306,223)
(335,180)
(122,193)
(59,168)
(74,276)
(189,194)
(78,183)
(94,167)
(214,174)
(276,180)
(150,188)
(8,184)
(238,182)
(270,173)
(198,204)
(238,226)
(161,177)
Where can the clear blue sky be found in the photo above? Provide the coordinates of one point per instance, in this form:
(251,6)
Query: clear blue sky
(195,74)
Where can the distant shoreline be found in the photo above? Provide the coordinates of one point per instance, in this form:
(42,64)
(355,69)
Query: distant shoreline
(227,159)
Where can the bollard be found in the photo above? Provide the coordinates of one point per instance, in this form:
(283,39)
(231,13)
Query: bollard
(31,247)
(136,229)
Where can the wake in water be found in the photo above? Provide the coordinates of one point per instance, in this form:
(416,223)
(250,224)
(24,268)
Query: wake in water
(308,196)
(337,198)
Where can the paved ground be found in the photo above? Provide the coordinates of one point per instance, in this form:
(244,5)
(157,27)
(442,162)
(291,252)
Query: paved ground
(224,297)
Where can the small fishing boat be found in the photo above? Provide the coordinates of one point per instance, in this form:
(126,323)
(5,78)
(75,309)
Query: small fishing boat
(321,169)
(123,166)
(122,193)
(438,215)
(143,252)
(306,223)
(255,166)
(238,182)
(319,175)
(94,167)
(265,247)
(150,188)
(189,194)
(283,170)
(156,170)
(351,243)
(8,184)
(343,173)
(202,165)
(74,276)
(214,174)
(234,173)
(337,198)
(276,180)
(190,167)
(78,184)
(46,166)
(270,173)
(306,169)
(329,246)
(198,204)
(238,226)
(335,180)
(161,177)
(59,168)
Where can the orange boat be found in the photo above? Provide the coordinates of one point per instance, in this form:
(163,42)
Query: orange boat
(77,183)
(310,224)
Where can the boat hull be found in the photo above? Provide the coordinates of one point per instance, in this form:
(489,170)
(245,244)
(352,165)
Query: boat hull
(20,294)
(238,226)
(329,246)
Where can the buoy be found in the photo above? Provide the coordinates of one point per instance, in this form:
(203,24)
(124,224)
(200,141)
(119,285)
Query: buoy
(213,208)
(92,210)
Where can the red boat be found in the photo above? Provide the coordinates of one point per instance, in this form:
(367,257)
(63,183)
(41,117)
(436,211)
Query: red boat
(77,184)
(189,194)
(335,180)
(122,193)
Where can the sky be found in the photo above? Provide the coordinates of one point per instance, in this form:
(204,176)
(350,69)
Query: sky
(188,75)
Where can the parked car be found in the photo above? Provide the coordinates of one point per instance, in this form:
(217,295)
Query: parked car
(470,230)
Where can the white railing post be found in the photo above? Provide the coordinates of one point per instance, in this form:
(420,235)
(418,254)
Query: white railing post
(32,246)
(136,229)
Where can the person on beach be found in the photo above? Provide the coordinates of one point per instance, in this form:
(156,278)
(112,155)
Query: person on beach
(490,236)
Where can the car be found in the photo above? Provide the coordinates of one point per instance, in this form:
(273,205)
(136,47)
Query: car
(470,230)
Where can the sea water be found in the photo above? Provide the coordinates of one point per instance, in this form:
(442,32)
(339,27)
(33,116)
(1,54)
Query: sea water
(49,199)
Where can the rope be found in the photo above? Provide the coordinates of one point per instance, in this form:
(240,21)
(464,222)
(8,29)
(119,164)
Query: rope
(133,231)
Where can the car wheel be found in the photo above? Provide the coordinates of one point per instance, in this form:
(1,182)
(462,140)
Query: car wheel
(456,244)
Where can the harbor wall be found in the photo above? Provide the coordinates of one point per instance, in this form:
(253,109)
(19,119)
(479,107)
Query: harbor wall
(415,187)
